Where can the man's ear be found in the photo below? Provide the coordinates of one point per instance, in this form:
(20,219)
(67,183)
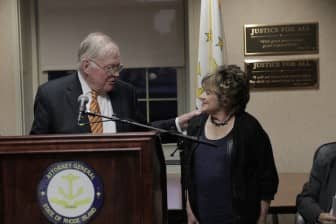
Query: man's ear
(85,64)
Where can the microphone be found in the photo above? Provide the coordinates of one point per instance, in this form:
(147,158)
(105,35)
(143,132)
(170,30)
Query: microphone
(82,100)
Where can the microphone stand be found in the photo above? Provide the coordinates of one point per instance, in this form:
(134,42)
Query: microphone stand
(161,131)
(179,142)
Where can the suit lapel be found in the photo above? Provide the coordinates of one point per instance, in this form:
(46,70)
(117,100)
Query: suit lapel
(117,105)
(74,90)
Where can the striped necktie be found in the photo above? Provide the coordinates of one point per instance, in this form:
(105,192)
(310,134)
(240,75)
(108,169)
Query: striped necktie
(95,121)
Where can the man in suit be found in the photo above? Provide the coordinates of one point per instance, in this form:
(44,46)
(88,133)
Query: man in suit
(56,105)
(315,201)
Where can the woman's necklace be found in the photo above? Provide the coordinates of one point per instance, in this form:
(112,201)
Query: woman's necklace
(223,123)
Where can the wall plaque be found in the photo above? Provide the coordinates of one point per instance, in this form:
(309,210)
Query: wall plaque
(281,39)
(295,74)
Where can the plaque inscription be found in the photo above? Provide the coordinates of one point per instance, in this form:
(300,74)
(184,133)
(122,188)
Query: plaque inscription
(283,74)
(281,39)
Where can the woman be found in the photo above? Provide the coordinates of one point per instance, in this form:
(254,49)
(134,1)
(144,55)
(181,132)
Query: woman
(235,181)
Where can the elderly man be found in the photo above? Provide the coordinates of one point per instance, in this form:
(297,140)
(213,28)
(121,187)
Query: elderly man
(315,202)
(56,104)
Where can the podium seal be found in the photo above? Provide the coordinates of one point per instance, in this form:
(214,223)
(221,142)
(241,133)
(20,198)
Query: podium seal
(70,192)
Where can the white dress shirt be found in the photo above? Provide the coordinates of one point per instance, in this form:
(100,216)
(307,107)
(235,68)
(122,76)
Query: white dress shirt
(105,105)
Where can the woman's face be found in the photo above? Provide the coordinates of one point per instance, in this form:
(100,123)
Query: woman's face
(209,102)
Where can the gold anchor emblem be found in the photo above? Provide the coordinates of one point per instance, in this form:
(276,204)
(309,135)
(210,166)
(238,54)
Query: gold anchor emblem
(69,199)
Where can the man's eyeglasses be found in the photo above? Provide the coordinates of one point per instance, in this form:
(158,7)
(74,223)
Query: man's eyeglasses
(109,69)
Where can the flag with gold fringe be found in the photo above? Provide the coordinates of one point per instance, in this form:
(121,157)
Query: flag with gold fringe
(210,44)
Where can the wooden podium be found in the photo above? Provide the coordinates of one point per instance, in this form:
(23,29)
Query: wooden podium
(130,165)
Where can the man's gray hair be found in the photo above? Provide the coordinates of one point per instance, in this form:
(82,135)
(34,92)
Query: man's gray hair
(95,45)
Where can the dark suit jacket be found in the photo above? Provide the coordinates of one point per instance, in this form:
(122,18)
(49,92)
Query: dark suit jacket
(56,107)
(317,193)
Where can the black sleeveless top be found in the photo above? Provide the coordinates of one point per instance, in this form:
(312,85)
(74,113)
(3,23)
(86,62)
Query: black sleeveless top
(212,176)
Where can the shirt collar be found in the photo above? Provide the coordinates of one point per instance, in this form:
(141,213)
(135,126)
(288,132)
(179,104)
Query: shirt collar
(85,87)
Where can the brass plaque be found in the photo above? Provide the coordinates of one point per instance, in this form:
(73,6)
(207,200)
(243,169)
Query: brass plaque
(293,74)
(281,39)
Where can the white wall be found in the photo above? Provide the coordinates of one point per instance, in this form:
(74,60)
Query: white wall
(148,33)
(298,121)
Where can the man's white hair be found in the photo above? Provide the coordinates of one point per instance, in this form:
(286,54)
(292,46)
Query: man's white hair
(96,45)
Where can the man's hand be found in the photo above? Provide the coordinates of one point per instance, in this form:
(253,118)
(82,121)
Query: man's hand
(184,118)
(326,218)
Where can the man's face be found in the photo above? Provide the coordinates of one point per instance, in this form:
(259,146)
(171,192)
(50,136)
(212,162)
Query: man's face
(102,73)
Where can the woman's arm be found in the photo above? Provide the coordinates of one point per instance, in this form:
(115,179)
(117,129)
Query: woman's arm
(190,215)
(264,206)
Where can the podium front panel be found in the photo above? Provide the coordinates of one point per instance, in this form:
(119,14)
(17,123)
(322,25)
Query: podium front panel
(129,165)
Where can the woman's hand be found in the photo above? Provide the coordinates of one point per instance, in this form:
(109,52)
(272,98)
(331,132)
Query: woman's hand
(326,218)
(261,220)
(190,215)
(264,206)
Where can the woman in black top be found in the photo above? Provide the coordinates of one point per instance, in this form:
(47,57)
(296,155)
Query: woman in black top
(235,181)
